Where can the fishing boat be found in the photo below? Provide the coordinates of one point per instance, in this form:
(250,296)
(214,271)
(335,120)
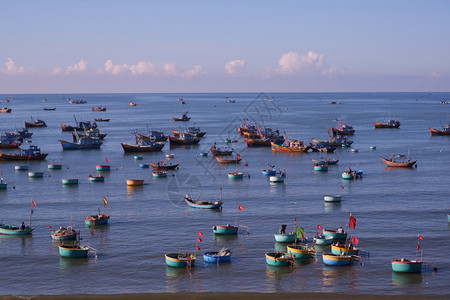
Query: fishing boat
(80,126)
(154,136)
(180,260)
(24,133)
(163,166)
(5,110)
(285,237)
(73,251)
(279,259)
(35,174)
(54,166)
(332,198)
(339,141)
(352,174)
(98,108)
(183,139)
(225,229)
(269,172)
(344,249)
(404,265)
(49,108)
(220,151)
(335,234)
(142,145)
(9,141)
(354,149)
(320,168)
(97,178)
(132,104)
(247,128)
(170,155)
(389,124)
(228,159)
(92,133)
(69,181)
(289,146)
(336,260)
(222,255)
(98,219)
(35,123)
(159,174)
(445,130)
(101,120)
(301,251)
(103,168)
(205,154)
(320,148)
(324,161)
(343,129)
(192,130)
(3,185)
(138,157)
(64,234)
(235,175)
(204,204)
(32,153)
(279,177)
(82,143)
(398,160)
(183,118)
(79,101)
(323,240)
(15,230)
(135,182)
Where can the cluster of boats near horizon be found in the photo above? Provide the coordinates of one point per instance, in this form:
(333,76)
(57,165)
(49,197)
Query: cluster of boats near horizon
(86,135)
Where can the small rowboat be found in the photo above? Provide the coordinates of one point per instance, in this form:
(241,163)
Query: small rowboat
(73,251)
(225,229)
(202,204)
(335,235)
(180,260)
(163,166)
(301,251)
(94,220)
(229,160)
(3,185)
(373,147)
(14,230)
(49,108)
(336,260)
(69,181)
(392,162)
(343,249)
(285,237)
(406,266)
(352,174)
(132,104)
(98,178)
(235,175)
(444,131)
(5,110)
(64,234)
(323,240)
(135,182)
(98,108)
(270,172)
(320,168)
(222,255)
(54,166)
(332,198)
(279,259)
(101,120)
(159,174)
(35,174)
(21,168)
(389,124)
(278,177)
(103,168)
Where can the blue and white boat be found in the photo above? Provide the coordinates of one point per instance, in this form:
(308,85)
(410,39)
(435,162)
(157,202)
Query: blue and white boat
(269,172)
(406,266)
(323,240)
(336,260)
(223,255)
(285,237)
(82,143)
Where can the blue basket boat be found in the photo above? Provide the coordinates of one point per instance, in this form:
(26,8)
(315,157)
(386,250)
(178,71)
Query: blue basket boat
(320,168)
(223,255)
(323,240)
(159,174)
(406,266)
(301,251)
(180,260)
(97,178)
(285,237)
(343,249)
(103,168)
(336,235)
(336,260)
(73,251)
(69,181)
(279,259)
(94,220)
(269,172)
(144,166)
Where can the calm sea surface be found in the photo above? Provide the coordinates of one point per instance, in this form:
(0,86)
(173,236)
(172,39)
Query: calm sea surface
(391,206)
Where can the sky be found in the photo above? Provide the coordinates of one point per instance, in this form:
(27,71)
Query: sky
(224,46)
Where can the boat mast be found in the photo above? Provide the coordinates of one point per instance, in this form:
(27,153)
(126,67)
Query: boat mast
(31,210)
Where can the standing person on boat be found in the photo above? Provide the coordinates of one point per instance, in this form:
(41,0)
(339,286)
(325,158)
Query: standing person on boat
(22,226)
(340,230)
(283,228)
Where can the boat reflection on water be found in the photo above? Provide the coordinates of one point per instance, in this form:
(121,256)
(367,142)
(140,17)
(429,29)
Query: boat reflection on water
(277,188)
(402,279)
(176,278)
(322,248)
(281,247)
(333,275)
(134,189)
(226,237)
(275,276)
(67,263)
(331,206)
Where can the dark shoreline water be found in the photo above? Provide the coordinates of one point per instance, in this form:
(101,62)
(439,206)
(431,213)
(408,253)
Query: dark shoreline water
(391,206)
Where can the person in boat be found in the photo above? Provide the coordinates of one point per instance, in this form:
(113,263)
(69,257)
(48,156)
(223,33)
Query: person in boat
(340,230)
(349,170)
(22,226)
(283,229)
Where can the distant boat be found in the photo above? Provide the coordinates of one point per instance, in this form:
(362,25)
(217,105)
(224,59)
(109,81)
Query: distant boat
(32,153)
(9,141)
(182,118)
(289,146)
(99,218)
(192,130)
(220,151)
(332,198)
(398,160)
(343,129)
(101,120)
(325,161)
(389,124)
(135,182)
(335,234)
(5,110)
(159,174)
(69,181)
(54,166)
(35,123)
(225,229)
(269,172)
(183,139)
(98,108)
(279,177)
(163,166)
(3,185)
(204,204)
(82,143)
(15,230)
(352,174)
(49,108)
(154,136)
(235,175)
(142,146)
(93,133)
(445,130)
(132,104)
(35,174)
(228,160)
(97,178)
(79,101)
(80,126)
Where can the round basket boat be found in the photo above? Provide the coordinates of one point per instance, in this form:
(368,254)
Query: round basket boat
(35,174)
(54,167)
(144,166)
(138,157)
(21,168)
(332,198)
(69,181)
(135,182)
(103,168)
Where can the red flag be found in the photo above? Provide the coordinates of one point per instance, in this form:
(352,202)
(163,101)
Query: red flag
(342,187)
(420,238)
(33,203)
(49,226)
(317,233)
(199,240)
(351,222)
(92,233)
(246,165)
(354,240)
(319,227)
(200,234)
(295,219)
(106,159)
(241,207)
(418,247)
(198,248)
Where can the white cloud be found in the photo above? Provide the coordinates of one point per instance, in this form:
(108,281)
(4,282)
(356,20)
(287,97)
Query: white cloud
(13,69)
(435,75)
(234,66)
(196,70)
(113,69)
(143,67)
(80,66)
(170,69)
(294,62)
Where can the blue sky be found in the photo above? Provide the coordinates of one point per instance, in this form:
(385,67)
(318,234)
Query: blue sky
(224,46)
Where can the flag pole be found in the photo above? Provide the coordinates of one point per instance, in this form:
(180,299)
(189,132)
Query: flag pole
(31,210)
(237,213)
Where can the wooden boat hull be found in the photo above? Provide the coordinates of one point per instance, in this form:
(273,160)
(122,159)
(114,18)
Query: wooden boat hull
(35,174)
(278,259)
(220,152)
(54,167)
(13,230)
(436,132)
(34,125)
(278,148)
(336,260)
(139,148)
(332,198)
(225,230)
(69,181)
(213,257)
(257,142)
(389,163)
(6,110)
(338,250)
(323,240)
(221,160)
(164,167)
(181,119)
(48,108)
(101,120)
(385,125)
(13,145)
(135,182)
(73,251)
(103,168)
(300,251)
(335,235)
(407,266)
(12,157)
(179,141)
(75,146)
(285,237)
(336,132)
(179,260)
